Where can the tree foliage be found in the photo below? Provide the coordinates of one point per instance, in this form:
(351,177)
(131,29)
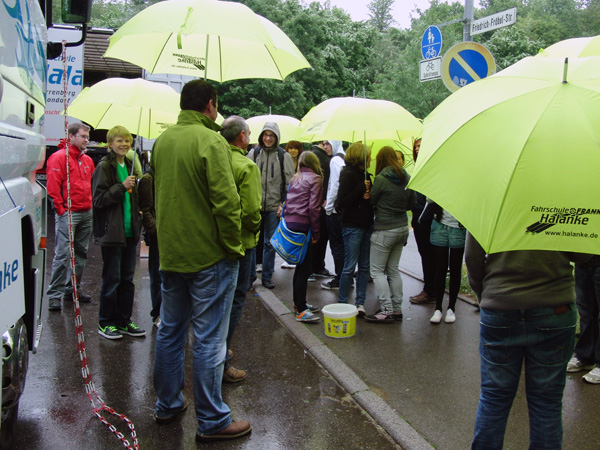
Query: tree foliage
(372,57)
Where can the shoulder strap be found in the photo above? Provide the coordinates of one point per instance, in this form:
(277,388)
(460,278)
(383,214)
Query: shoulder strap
(281,154)
(256,152)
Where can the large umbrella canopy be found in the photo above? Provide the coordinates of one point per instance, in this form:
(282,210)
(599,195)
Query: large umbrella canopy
(353,119)
(144,107)
(288,126)
(404,146)
(516,157)
(210,39)
(576,47)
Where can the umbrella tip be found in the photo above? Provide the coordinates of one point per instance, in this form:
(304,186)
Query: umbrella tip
(565,70)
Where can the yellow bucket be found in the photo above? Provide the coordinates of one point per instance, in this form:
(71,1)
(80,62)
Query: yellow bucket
(340,320)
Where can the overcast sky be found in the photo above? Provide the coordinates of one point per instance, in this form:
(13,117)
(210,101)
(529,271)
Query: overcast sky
(402,9)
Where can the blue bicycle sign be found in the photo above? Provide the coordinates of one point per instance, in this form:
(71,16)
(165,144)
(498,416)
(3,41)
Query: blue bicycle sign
(431,43)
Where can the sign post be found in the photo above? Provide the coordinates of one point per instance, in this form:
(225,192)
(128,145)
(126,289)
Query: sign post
(430,69)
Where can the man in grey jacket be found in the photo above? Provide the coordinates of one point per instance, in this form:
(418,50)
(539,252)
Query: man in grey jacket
(277,169)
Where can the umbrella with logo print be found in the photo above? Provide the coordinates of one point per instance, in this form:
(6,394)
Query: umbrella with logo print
(515,157)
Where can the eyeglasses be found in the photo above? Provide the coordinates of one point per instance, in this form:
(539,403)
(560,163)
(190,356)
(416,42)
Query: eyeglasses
(85,138)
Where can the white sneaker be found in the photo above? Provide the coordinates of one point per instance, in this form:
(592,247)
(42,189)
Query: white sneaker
(450,317)
(286,265)
(437,317)
(575,365)
(593,376)
(259,267)
(361,311)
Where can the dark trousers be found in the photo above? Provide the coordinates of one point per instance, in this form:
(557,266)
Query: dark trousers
(320,248)
(425,247)
(154,272)
(446,257)
(239,297)
(587,289)
(300,283)
(117,291)
(336,242)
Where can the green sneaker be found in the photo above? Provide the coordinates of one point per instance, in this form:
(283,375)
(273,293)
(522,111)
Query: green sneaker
(109,332)
(132,330)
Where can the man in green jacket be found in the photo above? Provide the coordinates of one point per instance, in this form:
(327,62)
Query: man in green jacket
(198,225)
(247,179)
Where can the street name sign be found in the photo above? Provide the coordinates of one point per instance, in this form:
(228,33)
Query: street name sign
(495,21)
(430,69)
(431,42)
(466,62)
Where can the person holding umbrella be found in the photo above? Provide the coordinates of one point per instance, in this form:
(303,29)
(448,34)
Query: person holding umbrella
(117,226)
(528,318)
(353,200)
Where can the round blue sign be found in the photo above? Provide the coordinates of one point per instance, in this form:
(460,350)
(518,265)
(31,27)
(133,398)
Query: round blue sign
(431,43)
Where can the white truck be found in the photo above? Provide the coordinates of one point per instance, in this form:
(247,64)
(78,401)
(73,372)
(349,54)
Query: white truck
(24,48)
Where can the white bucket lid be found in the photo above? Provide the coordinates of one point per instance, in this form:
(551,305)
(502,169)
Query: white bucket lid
(339,311)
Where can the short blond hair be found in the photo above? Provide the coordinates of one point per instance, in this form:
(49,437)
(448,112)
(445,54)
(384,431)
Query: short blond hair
(118,131)
(355,155)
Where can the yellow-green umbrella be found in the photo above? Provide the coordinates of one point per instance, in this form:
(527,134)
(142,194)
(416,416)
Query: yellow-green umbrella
(144,107)
(516,157)
(353,119)
(208,39)
(288,126)
(404,146)
(576,47)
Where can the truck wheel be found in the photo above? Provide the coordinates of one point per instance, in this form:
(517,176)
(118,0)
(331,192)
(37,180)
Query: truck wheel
(7,432)
(15,356)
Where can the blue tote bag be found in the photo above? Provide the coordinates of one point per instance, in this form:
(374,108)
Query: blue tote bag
(291,245)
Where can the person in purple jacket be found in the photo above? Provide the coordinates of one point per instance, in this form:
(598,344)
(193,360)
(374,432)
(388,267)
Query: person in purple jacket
(303,213)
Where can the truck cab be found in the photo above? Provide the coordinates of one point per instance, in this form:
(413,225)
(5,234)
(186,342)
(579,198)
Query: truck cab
(23,66)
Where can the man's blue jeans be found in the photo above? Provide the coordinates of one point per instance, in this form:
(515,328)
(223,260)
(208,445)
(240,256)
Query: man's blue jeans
(587,288)
(270,221)
(60,282)
(543,338)
(357,247)
(203,298)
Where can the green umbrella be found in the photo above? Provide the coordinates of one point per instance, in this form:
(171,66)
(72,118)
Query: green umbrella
(209,39)
(288,126)
(404,146)
(576,47)
(144,107)
(354,119)
(516,157)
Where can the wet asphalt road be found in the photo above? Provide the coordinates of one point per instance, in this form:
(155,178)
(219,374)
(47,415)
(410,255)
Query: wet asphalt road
(426,376)
(290,400)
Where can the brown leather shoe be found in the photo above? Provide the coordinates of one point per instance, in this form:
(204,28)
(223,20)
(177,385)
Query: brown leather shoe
(233,375)
(422,298)
(233,431)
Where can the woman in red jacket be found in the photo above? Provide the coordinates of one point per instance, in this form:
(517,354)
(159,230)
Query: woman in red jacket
(302,213)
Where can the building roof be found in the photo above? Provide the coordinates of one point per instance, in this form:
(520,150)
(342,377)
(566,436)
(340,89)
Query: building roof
(95,45)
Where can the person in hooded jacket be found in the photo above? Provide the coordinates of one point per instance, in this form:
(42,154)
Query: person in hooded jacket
(353,200)
(81,168)
(117,226)
(277,169)
(390,200)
